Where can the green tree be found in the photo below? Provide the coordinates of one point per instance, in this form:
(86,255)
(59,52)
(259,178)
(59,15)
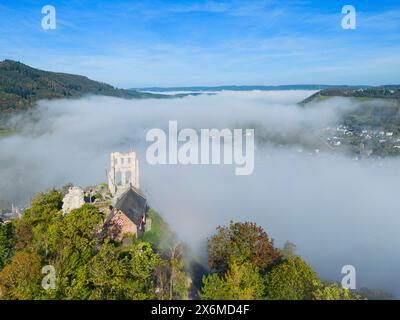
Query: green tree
(178,284)
(116,274)
(142,261)
(73,241)
(293,279)
(239,282)
(241,242)
(333,292)
(172,281)
(104,277)
(44,207)
(32,229)
(6,243)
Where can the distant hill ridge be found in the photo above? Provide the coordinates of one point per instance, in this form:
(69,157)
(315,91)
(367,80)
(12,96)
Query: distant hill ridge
(22,85)
(242,88)
(381,92)
(324,91)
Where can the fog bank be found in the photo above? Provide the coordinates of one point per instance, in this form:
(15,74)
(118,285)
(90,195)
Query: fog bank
(336,210)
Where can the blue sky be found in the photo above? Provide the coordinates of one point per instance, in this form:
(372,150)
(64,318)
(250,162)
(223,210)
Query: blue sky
(182,43)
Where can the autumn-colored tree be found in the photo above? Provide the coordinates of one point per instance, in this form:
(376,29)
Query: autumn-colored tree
(239,282)
(241,242)
(20,279)
(23,234)
(293,279)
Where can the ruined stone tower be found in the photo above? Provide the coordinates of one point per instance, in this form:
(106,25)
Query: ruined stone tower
(124,173)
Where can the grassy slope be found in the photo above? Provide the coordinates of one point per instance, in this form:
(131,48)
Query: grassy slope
(160,234)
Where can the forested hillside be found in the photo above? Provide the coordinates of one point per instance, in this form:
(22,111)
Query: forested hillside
(21,86)
(243,262)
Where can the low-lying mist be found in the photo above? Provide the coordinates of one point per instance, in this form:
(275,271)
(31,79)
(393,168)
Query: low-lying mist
(336,210)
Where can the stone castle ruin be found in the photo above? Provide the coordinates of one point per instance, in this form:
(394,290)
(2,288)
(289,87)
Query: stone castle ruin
(129,205)
(123,174)
(74,199)
(128,212)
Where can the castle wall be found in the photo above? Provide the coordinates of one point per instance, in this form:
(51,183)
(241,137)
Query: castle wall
(127,166)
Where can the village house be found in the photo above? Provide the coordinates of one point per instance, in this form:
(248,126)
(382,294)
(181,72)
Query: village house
(128,217)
